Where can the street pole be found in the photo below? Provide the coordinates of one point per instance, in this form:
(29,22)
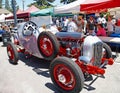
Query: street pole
(23,4)
(14,11)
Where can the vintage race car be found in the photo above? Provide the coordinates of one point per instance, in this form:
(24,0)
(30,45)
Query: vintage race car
(72,56)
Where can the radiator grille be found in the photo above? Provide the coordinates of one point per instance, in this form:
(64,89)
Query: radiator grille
(98,53)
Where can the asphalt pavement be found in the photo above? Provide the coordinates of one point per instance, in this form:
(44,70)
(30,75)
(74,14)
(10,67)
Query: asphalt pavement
(32,76)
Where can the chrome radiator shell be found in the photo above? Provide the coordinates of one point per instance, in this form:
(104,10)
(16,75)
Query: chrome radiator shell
(98,48)
(92,50)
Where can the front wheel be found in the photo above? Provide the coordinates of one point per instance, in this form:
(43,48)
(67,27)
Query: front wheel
(66,75)
(107,51)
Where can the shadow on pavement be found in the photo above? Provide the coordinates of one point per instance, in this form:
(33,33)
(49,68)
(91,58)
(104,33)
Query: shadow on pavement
(37,64)
(52,87)
(91,80)
(41,67)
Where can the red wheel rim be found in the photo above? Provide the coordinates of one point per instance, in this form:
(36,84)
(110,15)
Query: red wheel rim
(10,52)
(46,46)
(64,77)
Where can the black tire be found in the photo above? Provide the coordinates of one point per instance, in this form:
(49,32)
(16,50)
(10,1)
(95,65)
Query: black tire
(108,51)
(73,68)
(54,42)
(13,55)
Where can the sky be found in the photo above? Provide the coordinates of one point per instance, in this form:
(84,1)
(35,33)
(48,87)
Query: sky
(27,2)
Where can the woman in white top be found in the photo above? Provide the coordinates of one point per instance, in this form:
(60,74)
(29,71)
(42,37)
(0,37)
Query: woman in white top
(110,26)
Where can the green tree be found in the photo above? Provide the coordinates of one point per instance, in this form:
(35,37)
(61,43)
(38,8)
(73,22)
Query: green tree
(42,3)
(0,3)
(7,6)
(67,1)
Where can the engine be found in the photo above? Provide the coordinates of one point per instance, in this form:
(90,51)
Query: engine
(72,47)
(70,43)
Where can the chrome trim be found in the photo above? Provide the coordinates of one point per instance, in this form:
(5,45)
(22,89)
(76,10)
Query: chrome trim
(98,53)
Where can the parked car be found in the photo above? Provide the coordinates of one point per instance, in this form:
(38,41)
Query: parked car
(72,56)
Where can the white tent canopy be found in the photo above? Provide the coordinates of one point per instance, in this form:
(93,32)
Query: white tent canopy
(2,17)
(73,7)
(115,11)
(87,6)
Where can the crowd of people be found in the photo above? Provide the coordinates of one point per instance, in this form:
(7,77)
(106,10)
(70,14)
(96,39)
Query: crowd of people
(100,26)
(6,28)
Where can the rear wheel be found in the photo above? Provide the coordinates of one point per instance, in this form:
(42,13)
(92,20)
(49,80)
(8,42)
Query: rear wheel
(12,53)
(48,45)
(66,75)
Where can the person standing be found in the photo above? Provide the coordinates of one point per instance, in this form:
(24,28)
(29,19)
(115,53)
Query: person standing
(91,26)
(57,22)
(103,19)
(65,23)
(71,27)
(110,26)
(117,26)
(80,24)
(101,31)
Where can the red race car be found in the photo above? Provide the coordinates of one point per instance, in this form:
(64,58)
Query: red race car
(72,56)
